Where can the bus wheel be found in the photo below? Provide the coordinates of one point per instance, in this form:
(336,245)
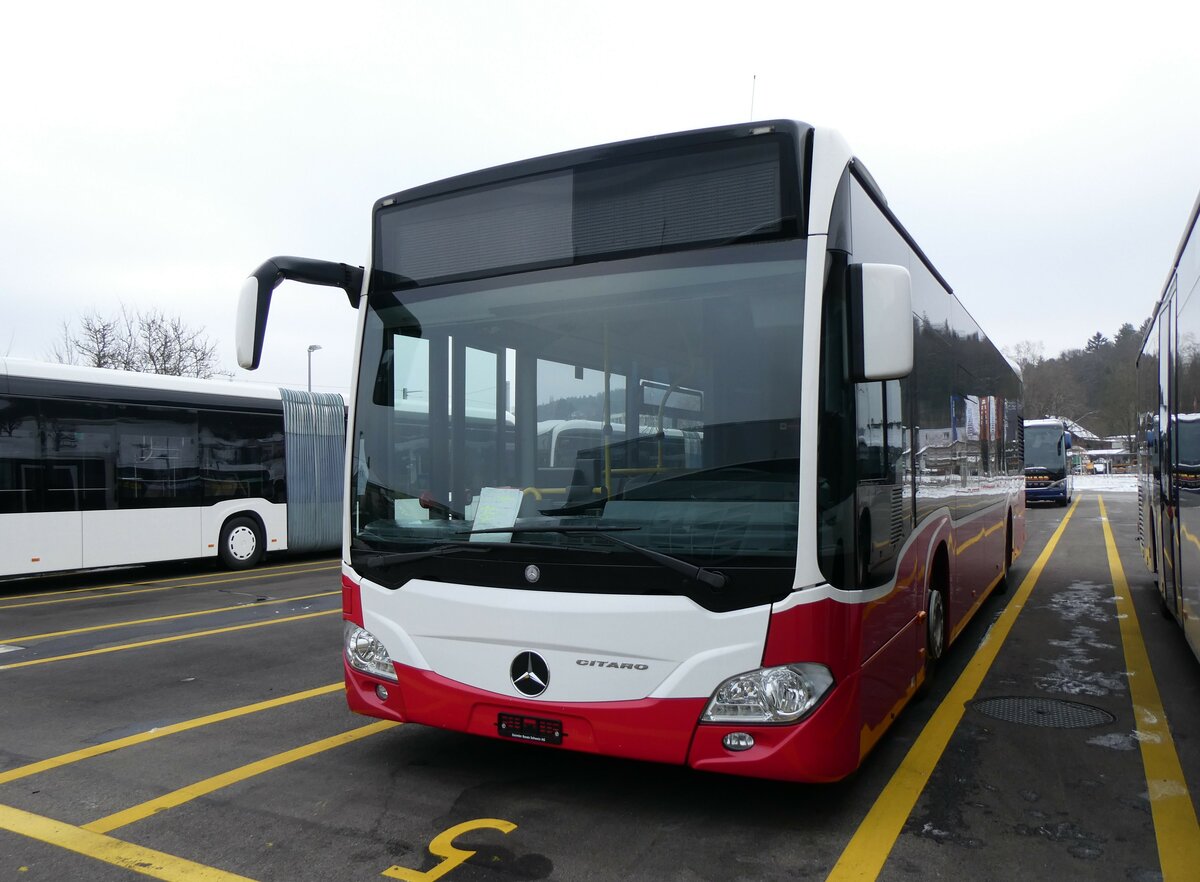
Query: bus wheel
(241,543)
(935,625)
(1002,585)
(935,631)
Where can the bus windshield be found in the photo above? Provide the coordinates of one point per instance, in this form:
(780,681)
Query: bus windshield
(657,396)
(1045,448)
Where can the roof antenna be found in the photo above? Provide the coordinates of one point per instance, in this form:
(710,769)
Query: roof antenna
(753,83)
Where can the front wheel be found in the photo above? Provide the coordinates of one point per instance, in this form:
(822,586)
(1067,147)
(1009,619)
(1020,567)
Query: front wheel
(241,543)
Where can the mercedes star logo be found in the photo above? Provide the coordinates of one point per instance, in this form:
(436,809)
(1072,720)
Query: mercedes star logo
(530,674)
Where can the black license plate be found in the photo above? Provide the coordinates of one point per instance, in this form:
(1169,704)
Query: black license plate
(525,728)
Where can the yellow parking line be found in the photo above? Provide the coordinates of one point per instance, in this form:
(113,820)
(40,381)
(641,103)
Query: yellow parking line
(187,615)
(868,849)
(136,858)
(75,756)
(225,779)
(193,576)
(258,575)
(1175,824)
(160,640)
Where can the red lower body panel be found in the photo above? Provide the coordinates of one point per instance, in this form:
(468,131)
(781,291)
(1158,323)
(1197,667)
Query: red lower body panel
(659,730)
(823,747)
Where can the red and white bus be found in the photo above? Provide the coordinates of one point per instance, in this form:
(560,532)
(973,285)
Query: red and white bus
(760,600)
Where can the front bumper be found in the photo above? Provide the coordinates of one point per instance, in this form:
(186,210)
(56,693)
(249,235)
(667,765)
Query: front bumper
(824,746)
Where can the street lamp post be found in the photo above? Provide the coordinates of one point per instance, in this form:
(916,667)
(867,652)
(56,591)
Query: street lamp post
(313,347)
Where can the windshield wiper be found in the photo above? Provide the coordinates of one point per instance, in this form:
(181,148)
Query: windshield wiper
(386,559)
(711,578)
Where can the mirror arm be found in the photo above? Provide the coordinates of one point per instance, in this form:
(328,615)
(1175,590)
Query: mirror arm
(314,272)
(255,298)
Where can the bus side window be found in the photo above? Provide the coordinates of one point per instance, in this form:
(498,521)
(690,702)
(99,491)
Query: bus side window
(158,457)
(20,467)
(870,432)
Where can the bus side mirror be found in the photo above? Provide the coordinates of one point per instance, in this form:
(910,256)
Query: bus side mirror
(881,324)
(255,300)
(1068,440)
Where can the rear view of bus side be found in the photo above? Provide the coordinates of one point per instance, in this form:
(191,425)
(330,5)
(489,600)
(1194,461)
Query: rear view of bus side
(824,483)
(1168,377)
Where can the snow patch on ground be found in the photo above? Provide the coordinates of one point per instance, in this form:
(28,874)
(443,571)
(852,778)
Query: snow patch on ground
(1105,483)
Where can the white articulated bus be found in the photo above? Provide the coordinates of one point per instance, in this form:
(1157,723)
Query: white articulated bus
(104,468)
(1168,375)
(824,484)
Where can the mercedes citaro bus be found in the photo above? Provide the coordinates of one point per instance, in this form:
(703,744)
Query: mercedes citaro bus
(824,486)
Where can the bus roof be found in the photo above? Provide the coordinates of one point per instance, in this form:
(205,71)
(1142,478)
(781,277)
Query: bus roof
(27,369)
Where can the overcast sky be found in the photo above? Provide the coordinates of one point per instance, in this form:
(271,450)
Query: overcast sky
(1045,155)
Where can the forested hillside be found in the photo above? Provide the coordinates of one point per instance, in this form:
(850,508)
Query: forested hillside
(1095,386)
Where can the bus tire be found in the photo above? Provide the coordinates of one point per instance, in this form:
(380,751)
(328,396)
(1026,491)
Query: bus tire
(1002,585)
(241,545)
(935,620)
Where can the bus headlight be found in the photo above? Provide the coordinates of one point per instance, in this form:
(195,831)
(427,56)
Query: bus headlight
(365,653)
(769,695)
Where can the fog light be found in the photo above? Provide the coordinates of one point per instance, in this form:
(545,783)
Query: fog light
(381,692)
(738,741)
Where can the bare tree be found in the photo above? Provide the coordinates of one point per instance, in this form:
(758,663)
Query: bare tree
(1027,353)
(149,342)
(169,346)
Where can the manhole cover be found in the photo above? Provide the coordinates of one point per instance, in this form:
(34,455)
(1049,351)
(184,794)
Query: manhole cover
(1050,712)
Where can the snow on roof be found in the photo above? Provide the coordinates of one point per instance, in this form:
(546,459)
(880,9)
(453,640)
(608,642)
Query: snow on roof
(1076,430)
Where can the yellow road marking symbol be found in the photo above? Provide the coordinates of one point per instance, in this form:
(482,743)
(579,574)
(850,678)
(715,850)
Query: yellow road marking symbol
(443,847)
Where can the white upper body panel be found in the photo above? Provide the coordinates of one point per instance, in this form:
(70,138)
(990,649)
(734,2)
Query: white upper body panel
(598,647)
